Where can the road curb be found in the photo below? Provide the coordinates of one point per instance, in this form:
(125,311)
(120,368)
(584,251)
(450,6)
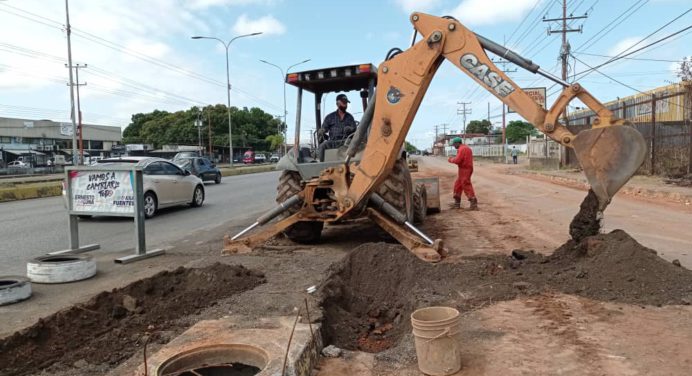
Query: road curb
(25,191)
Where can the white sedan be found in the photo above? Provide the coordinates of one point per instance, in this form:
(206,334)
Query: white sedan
(165,184)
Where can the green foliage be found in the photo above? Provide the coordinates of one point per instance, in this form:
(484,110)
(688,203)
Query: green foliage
(409,147)
(251,127)
(479,126)
(684,71)
(518,130)
(275,141)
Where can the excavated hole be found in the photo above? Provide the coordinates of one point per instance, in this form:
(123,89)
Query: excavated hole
(367,298)
(112,326)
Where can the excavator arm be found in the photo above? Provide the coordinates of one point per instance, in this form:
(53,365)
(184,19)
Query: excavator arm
(609,155)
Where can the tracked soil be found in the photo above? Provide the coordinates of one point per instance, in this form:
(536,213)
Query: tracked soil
(369,296)
(113,325)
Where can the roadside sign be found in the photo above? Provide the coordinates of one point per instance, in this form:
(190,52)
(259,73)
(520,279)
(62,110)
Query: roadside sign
(538,95)
(106,191)
(102,191)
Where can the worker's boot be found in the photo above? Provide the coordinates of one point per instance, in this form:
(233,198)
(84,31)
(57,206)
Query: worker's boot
(474,203)
(457,203)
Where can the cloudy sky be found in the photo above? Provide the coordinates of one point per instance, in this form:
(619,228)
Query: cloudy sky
(140,56)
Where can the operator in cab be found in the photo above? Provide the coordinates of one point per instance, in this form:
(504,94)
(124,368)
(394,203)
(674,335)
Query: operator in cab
(336,127)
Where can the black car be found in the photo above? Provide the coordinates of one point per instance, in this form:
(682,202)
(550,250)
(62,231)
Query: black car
(200,167)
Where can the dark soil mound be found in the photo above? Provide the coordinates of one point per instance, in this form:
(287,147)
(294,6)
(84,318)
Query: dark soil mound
(368,298)
(110,327)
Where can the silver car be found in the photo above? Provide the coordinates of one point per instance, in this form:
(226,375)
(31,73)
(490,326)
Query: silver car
(165,184)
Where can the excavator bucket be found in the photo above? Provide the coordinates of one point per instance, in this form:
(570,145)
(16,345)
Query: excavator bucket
(609,157)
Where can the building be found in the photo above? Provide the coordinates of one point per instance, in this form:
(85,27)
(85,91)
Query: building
(38,141)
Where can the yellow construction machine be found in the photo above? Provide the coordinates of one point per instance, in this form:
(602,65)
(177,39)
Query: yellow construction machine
(367,175)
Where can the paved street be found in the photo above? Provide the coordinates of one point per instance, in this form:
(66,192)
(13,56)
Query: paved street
(31,228)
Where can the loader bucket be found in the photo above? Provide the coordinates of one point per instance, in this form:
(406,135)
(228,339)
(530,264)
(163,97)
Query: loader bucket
(609,157)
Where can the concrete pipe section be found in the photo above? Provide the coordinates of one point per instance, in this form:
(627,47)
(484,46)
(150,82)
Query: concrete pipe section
(14,289)
(237,360)
(60,268)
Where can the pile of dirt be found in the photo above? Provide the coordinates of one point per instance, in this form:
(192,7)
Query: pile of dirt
(368,298)
(112,326)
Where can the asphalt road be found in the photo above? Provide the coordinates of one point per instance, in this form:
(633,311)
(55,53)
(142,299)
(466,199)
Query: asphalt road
(31,228)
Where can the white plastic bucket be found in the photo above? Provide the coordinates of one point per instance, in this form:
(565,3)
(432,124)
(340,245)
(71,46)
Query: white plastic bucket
(436,335)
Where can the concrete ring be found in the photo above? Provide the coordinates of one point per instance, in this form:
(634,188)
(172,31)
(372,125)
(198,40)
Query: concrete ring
(60,268)
(14,289)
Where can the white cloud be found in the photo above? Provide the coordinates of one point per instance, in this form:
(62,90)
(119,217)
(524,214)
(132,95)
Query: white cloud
(203,4)
(266,25)
(417,5)
(488,12)
(623,45)
(149,48)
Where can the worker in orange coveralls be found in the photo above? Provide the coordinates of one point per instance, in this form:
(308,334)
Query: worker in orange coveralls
(464,161)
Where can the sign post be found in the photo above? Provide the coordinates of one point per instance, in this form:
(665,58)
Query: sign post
(106,191)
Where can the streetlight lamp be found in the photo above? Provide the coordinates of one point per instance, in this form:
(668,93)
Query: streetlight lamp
(283,79)
(228,86)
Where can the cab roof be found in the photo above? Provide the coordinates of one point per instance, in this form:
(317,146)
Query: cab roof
(335,79)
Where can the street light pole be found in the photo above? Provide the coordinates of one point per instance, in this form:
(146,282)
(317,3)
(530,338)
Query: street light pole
(283,78)
(228,87)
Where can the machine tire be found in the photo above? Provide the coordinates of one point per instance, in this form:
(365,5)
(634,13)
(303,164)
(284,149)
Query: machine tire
(217,179)
(420,204)
(397,189)
(305,232)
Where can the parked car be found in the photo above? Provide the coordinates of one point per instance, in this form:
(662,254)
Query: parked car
(165,184)
(260,158)
(203,168)
(186,154)
(274,158)
(249,157)
(18,164)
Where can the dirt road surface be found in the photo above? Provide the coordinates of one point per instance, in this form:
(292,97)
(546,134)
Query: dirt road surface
(519,211)
(533,317)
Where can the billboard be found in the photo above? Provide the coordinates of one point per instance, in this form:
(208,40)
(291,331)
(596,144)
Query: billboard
(102,191)
(537,94)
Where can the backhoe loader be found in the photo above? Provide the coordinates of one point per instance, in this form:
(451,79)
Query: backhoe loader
(368,176)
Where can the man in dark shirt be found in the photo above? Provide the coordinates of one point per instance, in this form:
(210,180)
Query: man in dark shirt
(336,126)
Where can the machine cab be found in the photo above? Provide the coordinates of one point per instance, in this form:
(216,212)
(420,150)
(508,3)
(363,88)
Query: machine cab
(325,84)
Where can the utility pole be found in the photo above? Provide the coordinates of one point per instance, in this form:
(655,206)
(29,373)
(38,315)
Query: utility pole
(211,150)
(565,48)
(68,30)
(80,130)
(464,111)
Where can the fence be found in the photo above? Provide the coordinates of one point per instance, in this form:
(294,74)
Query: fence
(544,153)
(663,120)
(486,150)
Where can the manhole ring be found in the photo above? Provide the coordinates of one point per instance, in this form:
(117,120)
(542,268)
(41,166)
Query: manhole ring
(60,268)
(207,360)
(14,289)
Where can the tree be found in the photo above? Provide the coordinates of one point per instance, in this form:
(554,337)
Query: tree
(275,141)
(409,147)
(251,127)
(518,130)
(479,126)
(684,71)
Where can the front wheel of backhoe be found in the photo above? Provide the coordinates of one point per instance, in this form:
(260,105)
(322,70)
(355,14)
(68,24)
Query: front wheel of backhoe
(304,232)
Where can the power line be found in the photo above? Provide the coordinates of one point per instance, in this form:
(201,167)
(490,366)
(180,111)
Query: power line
(112,45)
(610,26)
(628,58)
